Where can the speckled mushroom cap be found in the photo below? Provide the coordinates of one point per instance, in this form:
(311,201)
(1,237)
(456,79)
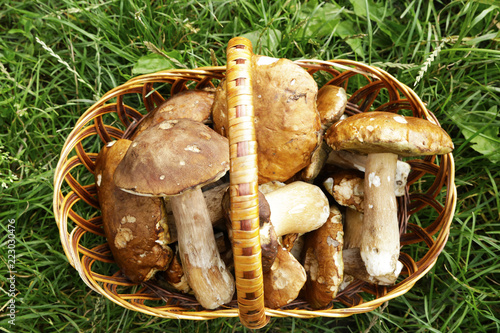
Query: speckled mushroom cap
(191,104)
(172,157)
(286,119)
(385,132)
(135,226)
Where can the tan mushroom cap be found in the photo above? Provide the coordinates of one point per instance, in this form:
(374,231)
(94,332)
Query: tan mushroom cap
(135,226)
(385,132)
(331,103)
(286,119)
(172,157)
(191,104)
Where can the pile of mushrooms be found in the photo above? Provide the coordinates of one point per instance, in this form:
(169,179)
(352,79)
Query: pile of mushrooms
(327,190)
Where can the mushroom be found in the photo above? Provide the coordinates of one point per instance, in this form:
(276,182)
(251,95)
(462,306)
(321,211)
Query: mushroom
(213,198)
(349,160)
(355,267)
(318,159)
(353,227)
(298,207)
(297,248)
(346,187)
(175,158)
(283,282)
(175,277)
(135,226)
(191,104)
(353,264)
(331,104)
(323,261)
(288,241)
(384,136)
(295,208)
(270,186)
(347,280)
(287,122)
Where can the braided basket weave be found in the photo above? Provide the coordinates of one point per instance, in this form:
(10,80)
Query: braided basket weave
(431,190)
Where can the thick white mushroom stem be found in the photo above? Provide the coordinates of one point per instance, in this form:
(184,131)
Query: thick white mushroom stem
(380,246)
(298,207)
(206,273)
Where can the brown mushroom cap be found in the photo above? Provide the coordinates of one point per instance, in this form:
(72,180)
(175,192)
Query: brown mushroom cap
(385,132)
(331,103)
(135,226)
(191,104)
(172,157)
(323,260)
(283,282)
(286,118)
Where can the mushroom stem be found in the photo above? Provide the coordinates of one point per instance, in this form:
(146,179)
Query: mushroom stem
(298,207)
(206,273)
(353,227)
(355,267)
(380,246)
(348,160)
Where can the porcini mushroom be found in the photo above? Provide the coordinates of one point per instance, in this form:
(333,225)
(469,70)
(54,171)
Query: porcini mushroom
(347,188)
(286,119)
(323,261)
(175,158)
(384,136)
(283,282)
(354,161)
(353,264)
(175,277)
(318,160)
(298,207)
(270,186)
(191,104)
(135,226)
(347,185)
(213,197)
(331,103)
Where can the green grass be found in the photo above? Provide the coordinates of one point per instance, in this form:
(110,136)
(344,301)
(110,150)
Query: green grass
(58,57)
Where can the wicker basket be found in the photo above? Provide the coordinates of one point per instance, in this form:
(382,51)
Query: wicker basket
(76,209)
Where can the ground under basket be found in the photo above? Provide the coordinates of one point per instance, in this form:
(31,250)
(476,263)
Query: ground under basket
(431,190)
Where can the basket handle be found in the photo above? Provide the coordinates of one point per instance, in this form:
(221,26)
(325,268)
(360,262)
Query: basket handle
(244,211)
